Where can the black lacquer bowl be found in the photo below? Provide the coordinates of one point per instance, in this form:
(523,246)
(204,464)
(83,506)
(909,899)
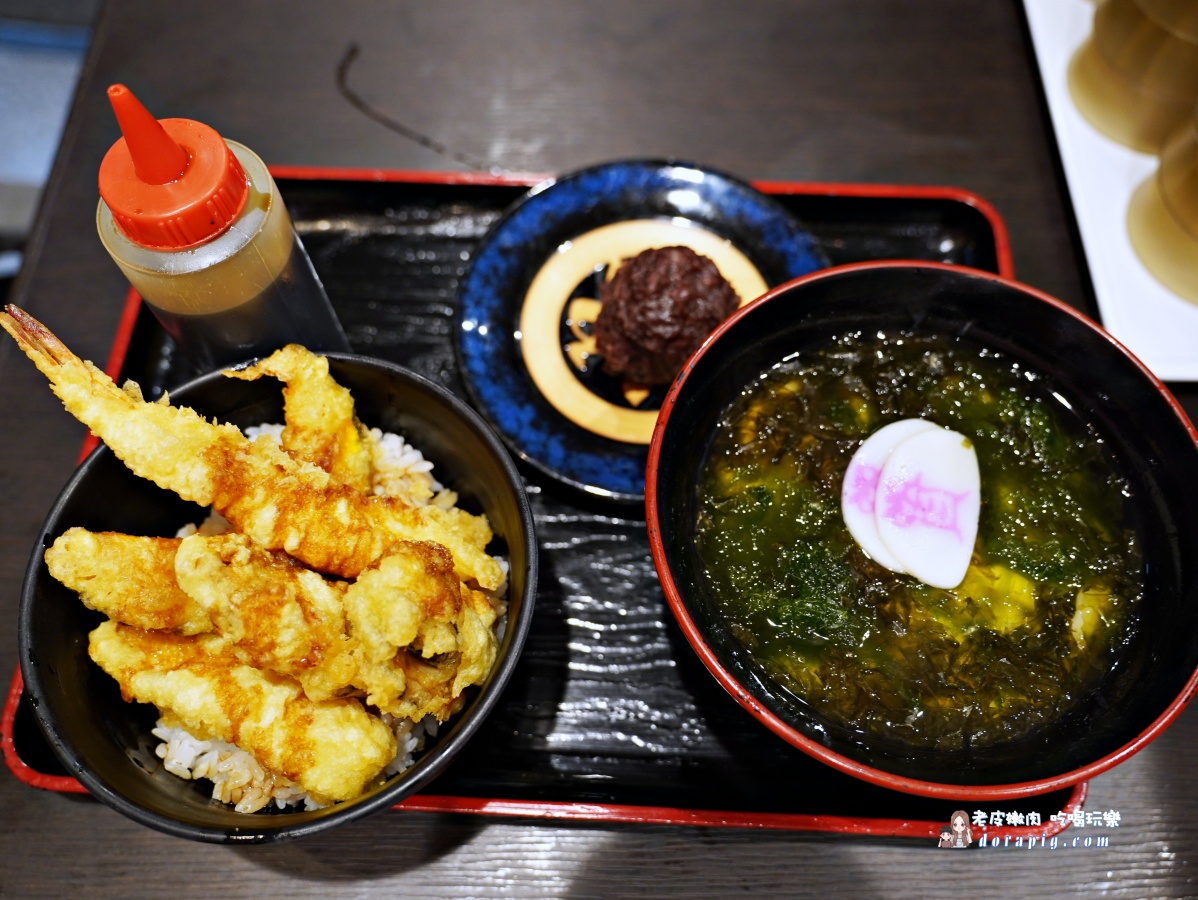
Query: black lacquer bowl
(106,742)
(1154,674)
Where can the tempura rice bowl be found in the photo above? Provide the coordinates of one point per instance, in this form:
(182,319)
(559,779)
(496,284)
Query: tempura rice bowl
(109,745)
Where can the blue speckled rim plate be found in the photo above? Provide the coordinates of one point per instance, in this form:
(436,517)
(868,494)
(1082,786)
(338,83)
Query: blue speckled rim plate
(554,212)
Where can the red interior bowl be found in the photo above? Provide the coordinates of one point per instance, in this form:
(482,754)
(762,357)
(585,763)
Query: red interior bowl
(1155,674)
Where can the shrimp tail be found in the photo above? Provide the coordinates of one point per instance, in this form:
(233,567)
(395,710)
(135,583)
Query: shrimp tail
(163,443)
(39,344)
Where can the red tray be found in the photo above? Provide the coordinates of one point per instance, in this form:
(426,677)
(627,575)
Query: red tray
(398,222)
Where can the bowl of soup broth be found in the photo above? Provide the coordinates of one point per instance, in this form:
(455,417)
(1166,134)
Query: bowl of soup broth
(933,527)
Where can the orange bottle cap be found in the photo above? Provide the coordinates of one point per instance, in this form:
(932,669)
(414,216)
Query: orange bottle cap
(170,183)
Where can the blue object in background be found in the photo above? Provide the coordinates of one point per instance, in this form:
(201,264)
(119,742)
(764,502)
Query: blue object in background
(491,295)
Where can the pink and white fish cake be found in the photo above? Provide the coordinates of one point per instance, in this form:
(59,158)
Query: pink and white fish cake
(921,516)
(858,496)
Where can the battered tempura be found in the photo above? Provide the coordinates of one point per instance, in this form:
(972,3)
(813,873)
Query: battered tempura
(238,636)
(280,502)
(265,610)
(269,611)
(333,749)
(321,426)
(128,578)
(411,613)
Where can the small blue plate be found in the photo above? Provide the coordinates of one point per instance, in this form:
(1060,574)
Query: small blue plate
(527,301)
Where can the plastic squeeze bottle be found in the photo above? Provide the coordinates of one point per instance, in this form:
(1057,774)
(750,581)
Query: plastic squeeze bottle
(197,225)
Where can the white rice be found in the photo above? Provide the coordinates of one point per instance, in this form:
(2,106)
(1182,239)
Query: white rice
(238,778)
(273,429)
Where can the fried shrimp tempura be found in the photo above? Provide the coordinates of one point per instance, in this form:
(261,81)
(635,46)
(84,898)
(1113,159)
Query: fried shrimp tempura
(269,611)
(130,579)
(321,427)
(278,501)
(333,749)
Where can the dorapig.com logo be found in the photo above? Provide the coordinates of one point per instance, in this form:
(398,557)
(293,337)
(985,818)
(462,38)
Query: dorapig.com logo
(964,830)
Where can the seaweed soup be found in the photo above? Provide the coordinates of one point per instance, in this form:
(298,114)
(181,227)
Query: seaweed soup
(1054,578)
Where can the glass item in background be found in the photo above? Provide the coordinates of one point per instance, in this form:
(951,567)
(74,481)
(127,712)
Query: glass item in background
(1136,77)
(1162,218)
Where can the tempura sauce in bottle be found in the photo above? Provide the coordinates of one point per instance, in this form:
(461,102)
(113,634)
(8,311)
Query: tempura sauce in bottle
(197,225)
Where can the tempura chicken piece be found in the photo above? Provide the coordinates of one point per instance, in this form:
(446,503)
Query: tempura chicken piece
(428,688)
(477,644)
(435,686)
(321,427)
(333,749)
(423,636)
(269,611)
(411,596)
(278,501)
(130,579)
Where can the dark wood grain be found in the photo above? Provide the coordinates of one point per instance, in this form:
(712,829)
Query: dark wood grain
(805,90)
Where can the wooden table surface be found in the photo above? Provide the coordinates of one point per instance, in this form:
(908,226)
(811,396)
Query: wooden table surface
(880,91)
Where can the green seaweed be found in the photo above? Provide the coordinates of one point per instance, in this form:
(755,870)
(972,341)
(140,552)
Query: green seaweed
(877,650)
